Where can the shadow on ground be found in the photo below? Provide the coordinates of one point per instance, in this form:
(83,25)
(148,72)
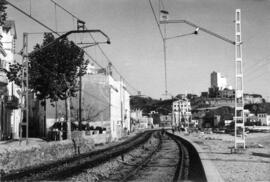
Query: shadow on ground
(261,154)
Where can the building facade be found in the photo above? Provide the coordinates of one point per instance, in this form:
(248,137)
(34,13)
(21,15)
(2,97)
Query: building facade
(226,93)
(181,113)
(136,114)
(218,81)
(104,101)
(264,118)
(119,108)
(10,114)
(165,120)
(252,98)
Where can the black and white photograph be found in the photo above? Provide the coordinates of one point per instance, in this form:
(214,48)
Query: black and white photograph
(135,90)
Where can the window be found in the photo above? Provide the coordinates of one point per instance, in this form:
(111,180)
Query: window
(2,63)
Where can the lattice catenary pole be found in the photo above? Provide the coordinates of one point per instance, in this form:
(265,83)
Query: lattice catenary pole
(239,138)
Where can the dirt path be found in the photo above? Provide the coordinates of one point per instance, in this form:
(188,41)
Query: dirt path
(250,166)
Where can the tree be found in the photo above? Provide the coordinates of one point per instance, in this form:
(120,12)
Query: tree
(54,71)
(3,14)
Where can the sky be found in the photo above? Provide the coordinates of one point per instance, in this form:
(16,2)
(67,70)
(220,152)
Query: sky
(136,48)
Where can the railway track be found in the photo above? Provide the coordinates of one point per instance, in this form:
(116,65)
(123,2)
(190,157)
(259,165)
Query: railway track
(151,156)
(65,168)
(168,160)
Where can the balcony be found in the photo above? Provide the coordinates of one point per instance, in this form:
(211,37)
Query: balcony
(12,102)
(3,78)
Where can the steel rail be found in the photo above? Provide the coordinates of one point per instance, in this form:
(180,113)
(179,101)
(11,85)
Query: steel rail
(144,162)
(192,169)
(77,163)
(181,171)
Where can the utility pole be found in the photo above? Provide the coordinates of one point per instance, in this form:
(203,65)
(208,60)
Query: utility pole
(164,16)
(80,26)
(24,90)
(165,60)
(239,86)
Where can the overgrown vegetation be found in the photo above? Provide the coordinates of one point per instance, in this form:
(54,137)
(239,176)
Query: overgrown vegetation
(258,108)
(147,104)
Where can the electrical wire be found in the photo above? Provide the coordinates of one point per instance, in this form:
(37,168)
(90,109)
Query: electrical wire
(257,63)
(55,16)
(162,4)
(256,69)
(88,55)
(42,24)
(156,20)
(97,98)
(49,71)
(85,92)
(255,77)
(164,43)
(102,51)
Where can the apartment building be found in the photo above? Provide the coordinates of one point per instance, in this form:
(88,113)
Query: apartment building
(10,114)
(181,113)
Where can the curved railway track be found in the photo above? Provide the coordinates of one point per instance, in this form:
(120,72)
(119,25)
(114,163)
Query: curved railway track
(71,166)
(169,160)
(148,157)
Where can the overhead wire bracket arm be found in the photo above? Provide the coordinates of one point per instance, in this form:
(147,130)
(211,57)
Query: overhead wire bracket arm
(71,32)
(177,36)
(200,28)
(84,31)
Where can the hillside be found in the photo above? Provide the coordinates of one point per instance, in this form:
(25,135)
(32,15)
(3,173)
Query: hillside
(199,103)
(200,106)
(258,108)
(147,104)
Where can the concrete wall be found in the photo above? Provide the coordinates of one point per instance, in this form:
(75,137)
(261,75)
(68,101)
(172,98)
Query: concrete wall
(95,101)
(103,100)
(99,138)
(120,108)
(115,109)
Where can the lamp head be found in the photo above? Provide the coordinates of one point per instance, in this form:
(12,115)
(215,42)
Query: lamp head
(196,31)
(108,42)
